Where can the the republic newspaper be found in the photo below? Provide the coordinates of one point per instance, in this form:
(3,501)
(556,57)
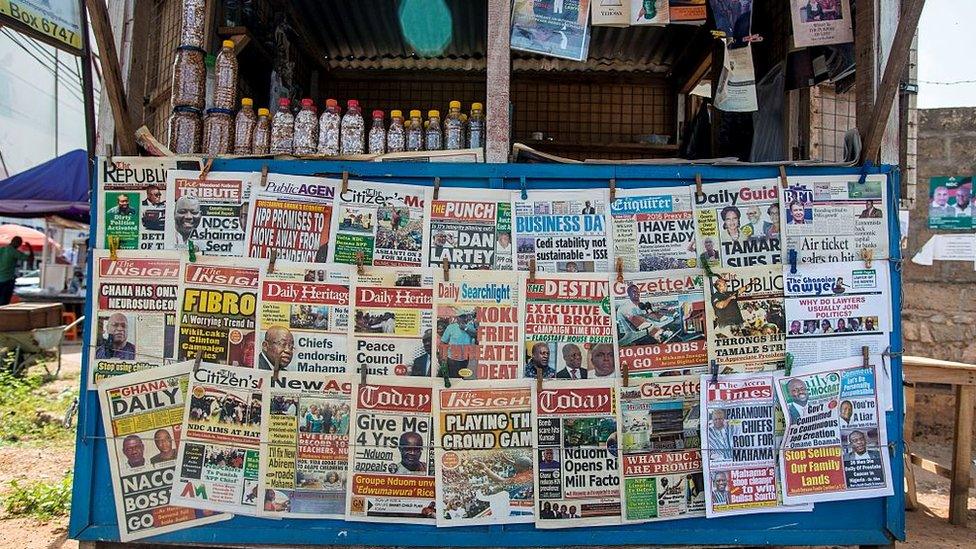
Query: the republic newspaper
(132,206)
(746,321)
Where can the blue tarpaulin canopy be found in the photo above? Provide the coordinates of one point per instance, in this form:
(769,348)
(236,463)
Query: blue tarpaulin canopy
(57,187)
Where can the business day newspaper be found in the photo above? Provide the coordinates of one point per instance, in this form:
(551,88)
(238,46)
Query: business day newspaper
(654,229)
(746,325)
(132,203)
(211,212)
(563,231)
(471,228)
(291,218)
(738,222)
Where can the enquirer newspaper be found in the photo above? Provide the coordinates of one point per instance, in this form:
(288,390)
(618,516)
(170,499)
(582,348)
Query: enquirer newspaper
(575,432)
(746,325)
(132,204)
(291,216)
(563,231)
(654,229)
(211,212)
(483,434)
(738,222)
(471,228)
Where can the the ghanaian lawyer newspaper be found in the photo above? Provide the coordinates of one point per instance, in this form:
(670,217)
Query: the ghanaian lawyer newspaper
(212,212)
(835,446)
(306,418)
(568,327)
(828,219)
(220,447)
(661,463)
(654,229)
(142,413)
(563,231)
(478,329)
(660,319)
(577,482)
(291,216)
(738,222)
(471,228)
(483,451)
(746,325)
(391,463)
(132,204)
(134,312)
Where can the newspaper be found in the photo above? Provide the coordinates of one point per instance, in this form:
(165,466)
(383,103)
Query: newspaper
(484,453)
(220,448)
(828,219)
(821,23)
(746,325)
(478,325)
(306,429)
(471,228)
(563,231)
(738,222)
(134,312)
(212,212)
(654,229)
(736,88)
(391,464)
(577,480)
(553,29)
(660,319)
(137,408)
(661,471)
(291,217)
(132,204)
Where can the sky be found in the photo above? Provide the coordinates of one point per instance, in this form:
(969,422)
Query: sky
(946,54)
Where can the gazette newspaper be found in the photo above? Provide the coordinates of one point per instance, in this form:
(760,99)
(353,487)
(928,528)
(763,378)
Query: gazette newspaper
(471,228)
(738,222)
(210,211)
(746,325)
(132,204)
(563,231)
(654,229)
(291,218)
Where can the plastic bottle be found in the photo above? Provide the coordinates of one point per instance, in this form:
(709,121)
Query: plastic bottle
(377,134)
(415,132)
(353,130)
(225,85)
(189,78)
(476,127)
(261,144)
(454,127)
(464,130)
(329,129)
(218,132)
(395,136)
(434,137)
(244,127)
(283,128)
(185,130)
(306,129)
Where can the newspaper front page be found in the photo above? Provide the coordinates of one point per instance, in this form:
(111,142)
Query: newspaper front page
(471,228)
(563,231)
(738,222)
(212,212)
(654,229)
(746,324)
(132,203)
(821,23)
(291,216)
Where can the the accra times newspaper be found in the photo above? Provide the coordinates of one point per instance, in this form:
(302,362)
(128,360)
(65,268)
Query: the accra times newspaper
(835,446)
(577,480)
(305,425)
(391,464)
(291,216)
(134,312)
(746,325)
(220,450)
(568,327)
(472,228)
(477,320)
(738,222)
(661,463)
(660,319)
(827,219)
(654,229)
(212,212)
(563,231)
(132,205)
(142,413)
(483,435)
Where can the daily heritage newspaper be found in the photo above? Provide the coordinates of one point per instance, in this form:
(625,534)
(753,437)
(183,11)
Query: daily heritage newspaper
(291,218)
(210,211)
(563,231)
(471,228)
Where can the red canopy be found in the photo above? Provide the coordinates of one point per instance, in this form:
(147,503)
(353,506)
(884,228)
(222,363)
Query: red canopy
(36,239)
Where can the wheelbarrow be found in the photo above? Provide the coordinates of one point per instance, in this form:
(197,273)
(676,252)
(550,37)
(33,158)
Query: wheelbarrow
(31,346)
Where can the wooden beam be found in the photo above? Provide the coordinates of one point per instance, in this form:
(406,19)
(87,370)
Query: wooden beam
(865,53)
(499,72)
(112,76)
(962,455)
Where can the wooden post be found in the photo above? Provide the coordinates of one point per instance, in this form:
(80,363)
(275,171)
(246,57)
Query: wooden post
(865,53)
(911,494)
(962,454)
(112,73)
(499,71)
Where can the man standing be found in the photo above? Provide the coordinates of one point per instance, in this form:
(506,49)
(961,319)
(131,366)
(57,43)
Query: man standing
(539,360)
(725,304)
(10,256)
(870,212)
(720,435)
(573,358)
(276,349)
(457,341)
(116,343)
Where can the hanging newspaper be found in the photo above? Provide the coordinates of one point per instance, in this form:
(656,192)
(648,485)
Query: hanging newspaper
(471,228)
(391,465)
(661,469)
(821,23)
(211,212)
(291,217)
(746,324)
(736,88)
(738,223)
(220,448)
(137,408)
(649,12)
(654,229)
(483,434)
(575,432)
(563,231)
(383,221)
(478,325)
(660,320)
(835,446)
(554,29)
(303,318)
(306,429)
(568,327)
(134,310)
(132,204)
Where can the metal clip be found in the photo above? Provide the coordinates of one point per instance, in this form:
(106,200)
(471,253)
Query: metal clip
(271,260)
(191,251)
(446,265)
(791,257)
(113,247)
(197,361)
(867,254)
(613,189)
(345,182)
(437,187)
(698,187)
(360,259)
(532,270)
(206,169)
(264,175)
(865,353)
(525,193)
(620,270)
(789,364)
(782,177)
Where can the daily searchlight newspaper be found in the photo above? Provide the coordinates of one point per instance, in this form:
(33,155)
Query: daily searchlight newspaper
(563,231)
(471,228)
(738,222)
(654,229)
(212,212)
(291,216)
(132,205)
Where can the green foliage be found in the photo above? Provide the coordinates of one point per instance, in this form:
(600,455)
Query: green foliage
(41,500)
(20,400)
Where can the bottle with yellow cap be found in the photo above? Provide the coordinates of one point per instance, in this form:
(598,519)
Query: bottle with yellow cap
(476,127)
(261,143)
(225,80)
(415,132)
(433,135)
(396,135)
(244,127)
(454,127)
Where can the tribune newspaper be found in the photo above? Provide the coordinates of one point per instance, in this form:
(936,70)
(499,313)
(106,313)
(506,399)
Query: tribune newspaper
(291,217)
(210,211)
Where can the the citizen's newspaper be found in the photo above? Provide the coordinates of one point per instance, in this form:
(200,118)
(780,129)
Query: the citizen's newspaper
(661,469)
(828,219)
(483,436)
(132,202)
(134,312)
(383,221)
(391,463)
(306,418)
(563,231)
(212,212)
(746,325)
(577,480)
(471,228)
(291,217)
(738,222)
(220,450)
(835,446)
(142,413)
(391,332)
(660,319)
(654,229)
(476,313)
(568,327)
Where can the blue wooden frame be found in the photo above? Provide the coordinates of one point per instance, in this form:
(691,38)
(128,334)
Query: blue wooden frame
(865,522)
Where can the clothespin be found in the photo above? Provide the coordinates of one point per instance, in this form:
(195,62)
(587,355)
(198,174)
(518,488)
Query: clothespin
(525,193)
(362,374)
(345,182)
(865,353)
(625,373)
(264,175)
(109,150)
(714,371)
(197,361)
(791,256)
(782,177)
(532,270)
(620,270)
(360,259)
(538,378)
(706,266)
(437,187)
(206,169)
(698,187)
(862,178)
(271,260)
(277,369)
(443,373)
(867,254)
(191,250)
(113,247)
(613,189)
(789,364)
(446,265)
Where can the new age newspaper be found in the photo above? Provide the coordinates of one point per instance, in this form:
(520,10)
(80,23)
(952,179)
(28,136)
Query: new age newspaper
(654,229)
(211,212)
(563,231)
(291,216)
(471,229)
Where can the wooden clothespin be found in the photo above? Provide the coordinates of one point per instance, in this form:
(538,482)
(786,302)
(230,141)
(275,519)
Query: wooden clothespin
(446,265)
(109,151)
(113,247)
(207,166)
(264,175)
(437,187)
(362,374)
(272,259)
(345,182)
(532,270)
(865,354)
(698,187)
(620,270)
(360,259)
(525,192)
(782,177)
(191,251)
(613,189)
(867,254)
(625,373)
(277,369)
(538,378)
(197,361)
(714,372)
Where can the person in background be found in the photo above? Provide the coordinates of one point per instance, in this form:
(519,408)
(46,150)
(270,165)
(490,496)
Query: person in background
(77,283)
(10,256)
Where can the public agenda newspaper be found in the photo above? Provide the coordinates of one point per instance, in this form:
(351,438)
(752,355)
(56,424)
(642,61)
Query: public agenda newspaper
(291,217)
(134,312)
(738,222)
(212,211)
(746,324)
(577,482)
(142,413)
(483,451)
(391,465)
(563,231)
(220,450)
(654,229)
(132,204)
(305,424)
(471,228)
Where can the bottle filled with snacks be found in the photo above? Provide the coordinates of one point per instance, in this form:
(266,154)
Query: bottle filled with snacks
(244,127)
(415,132)
(353,129)
(306,129)
(283,128)
(396,134)
(377,134)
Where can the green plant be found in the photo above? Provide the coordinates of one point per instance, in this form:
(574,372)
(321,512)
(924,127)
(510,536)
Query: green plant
(42,500)
(21,398)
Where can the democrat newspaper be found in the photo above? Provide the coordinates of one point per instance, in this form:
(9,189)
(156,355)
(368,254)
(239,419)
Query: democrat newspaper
(132,203)
(654,229)
(738,222)
(291,217)
(746,324)
(210,212)
(563,231)
(471,228)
